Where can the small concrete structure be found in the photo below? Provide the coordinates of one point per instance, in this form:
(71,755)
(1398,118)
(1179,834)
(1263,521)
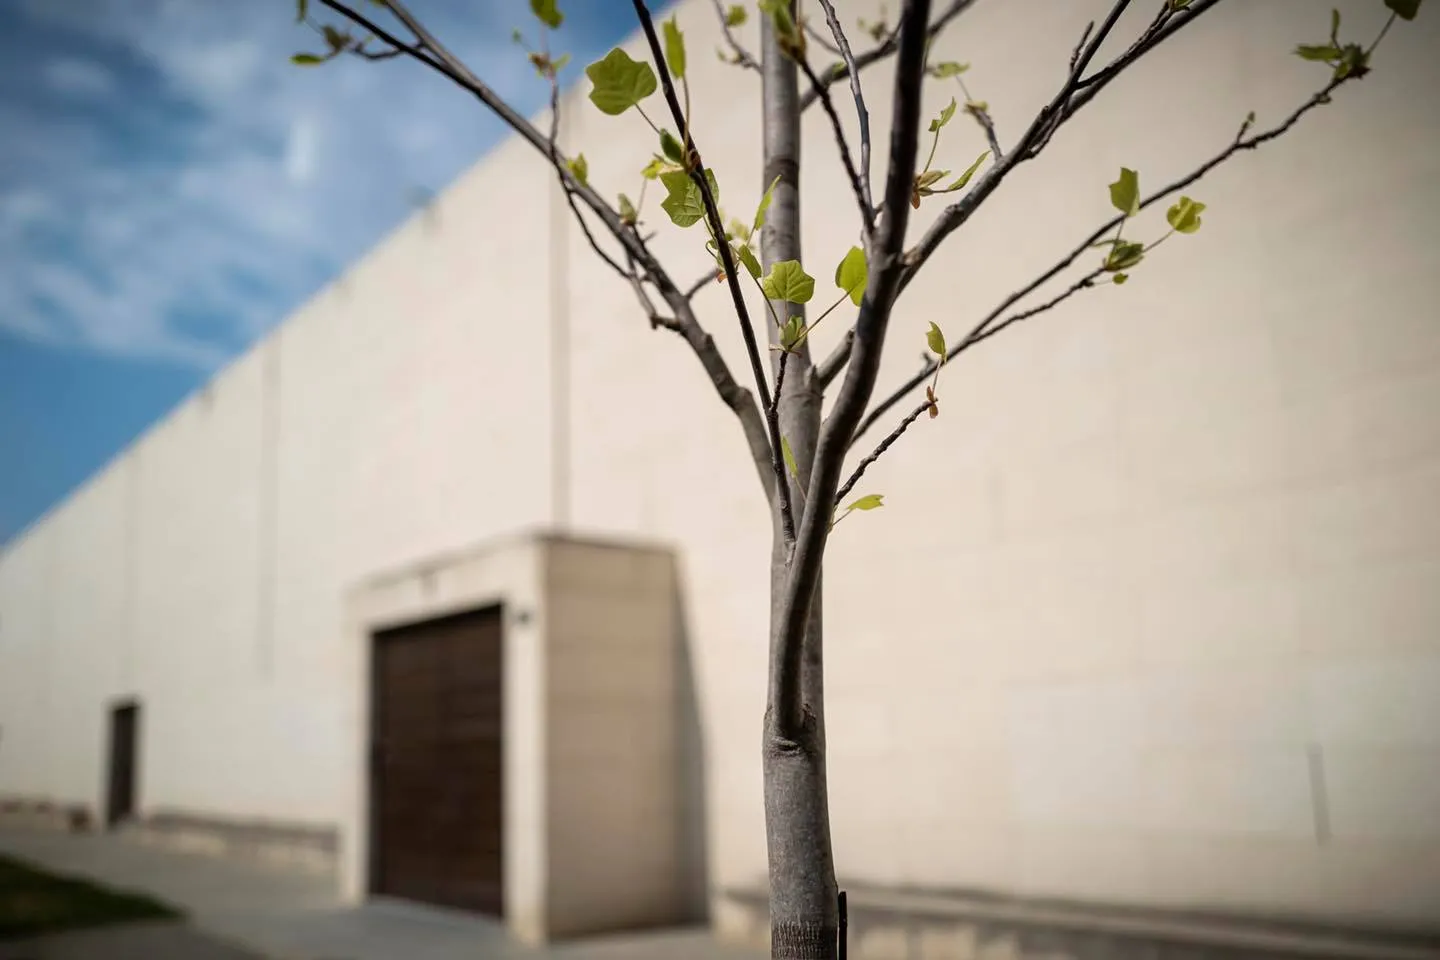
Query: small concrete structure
(594,834)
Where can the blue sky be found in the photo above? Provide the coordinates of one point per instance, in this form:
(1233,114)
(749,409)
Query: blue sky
(171,187)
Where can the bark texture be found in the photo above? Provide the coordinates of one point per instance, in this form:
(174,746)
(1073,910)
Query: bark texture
(804,921)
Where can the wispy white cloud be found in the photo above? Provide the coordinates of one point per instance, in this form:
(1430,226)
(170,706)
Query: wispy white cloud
(176,186)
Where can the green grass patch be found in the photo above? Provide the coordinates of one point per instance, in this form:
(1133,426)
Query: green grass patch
(33,902)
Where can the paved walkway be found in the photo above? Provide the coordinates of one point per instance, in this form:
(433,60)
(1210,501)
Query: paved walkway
(285,915)
(133,941)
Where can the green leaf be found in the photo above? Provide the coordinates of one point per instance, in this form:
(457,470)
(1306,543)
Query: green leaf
(791,333)
(307,59)
(653,169)
(764,205)
(944,117)
(788,281)
(1334,26)
(964,178)
(579,168)
(1404,9)
(746,256)
(302,10)
(868,502)
(1184,216)
(783,24)
(619,83)
(1324,53)
(628,213)
(948,69)
(336,40)
(1125,192)
(560,62)
(935,340)
(853,274)
(789,455)
(671,147)
(1353,59)
(735,16)
(674,48)
(923,181)
(1124,256)
(684,203)
(547,13)
(1120,278)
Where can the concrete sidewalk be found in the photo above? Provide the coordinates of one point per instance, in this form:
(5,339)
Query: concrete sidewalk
(290,916)
(166,940)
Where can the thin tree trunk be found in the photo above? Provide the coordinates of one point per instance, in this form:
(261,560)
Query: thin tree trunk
(804,918)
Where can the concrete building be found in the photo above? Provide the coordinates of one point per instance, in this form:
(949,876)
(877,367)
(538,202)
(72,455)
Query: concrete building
(1150,617)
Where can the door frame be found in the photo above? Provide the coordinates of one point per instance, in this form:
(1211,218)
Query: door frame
(508,572)
(129,708)
(372,766)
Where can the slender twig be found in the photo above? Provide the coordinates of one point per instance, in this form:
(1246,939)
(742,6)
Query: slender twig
(557,160)
(696,167)
(820,38)
(982,117)
(651,314)
(1066,103)
(361,51)
(711,276)
(742,402)
(983,330)
(857,182)
(833,20)
(1070,98)
(880,450)
(779,381)
(783,695)
(885,49)
(742,56)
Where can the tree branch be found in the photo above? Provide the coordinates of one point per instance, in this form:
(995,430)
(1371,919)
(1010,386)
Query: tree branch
(885,266)
(1066,103)
(853,71)
(857,182)
(742,57)
(982,117)
(889,46)
(696,168)
(431,53)
(700,283)
(880,450)
(557,160)
(984,330)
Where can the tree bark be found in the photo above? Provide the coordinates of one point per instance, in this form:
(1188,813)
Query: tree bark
(804,916)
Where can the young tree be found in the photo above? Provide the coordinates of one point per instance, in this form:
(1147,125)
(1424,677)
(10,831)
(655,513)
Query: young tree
(800,455)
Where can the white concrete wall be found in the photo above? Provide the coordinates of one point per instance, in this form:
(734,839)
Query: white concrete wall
(614,797)
(203,570)
(1182,533)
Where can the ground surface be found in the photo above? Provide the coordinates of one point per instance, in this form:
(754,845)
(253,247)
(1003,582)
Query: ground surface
(241,911)
(35,902)
(143,940)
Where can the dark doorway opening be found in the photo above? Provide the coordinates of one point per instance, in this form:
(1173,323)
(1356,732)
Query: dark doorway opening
(436,752)
(124,762)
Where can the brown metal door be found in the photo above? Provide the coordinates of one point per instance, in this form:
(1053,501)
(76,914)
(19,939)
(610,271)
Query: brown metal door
(124,758)
(436,763)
